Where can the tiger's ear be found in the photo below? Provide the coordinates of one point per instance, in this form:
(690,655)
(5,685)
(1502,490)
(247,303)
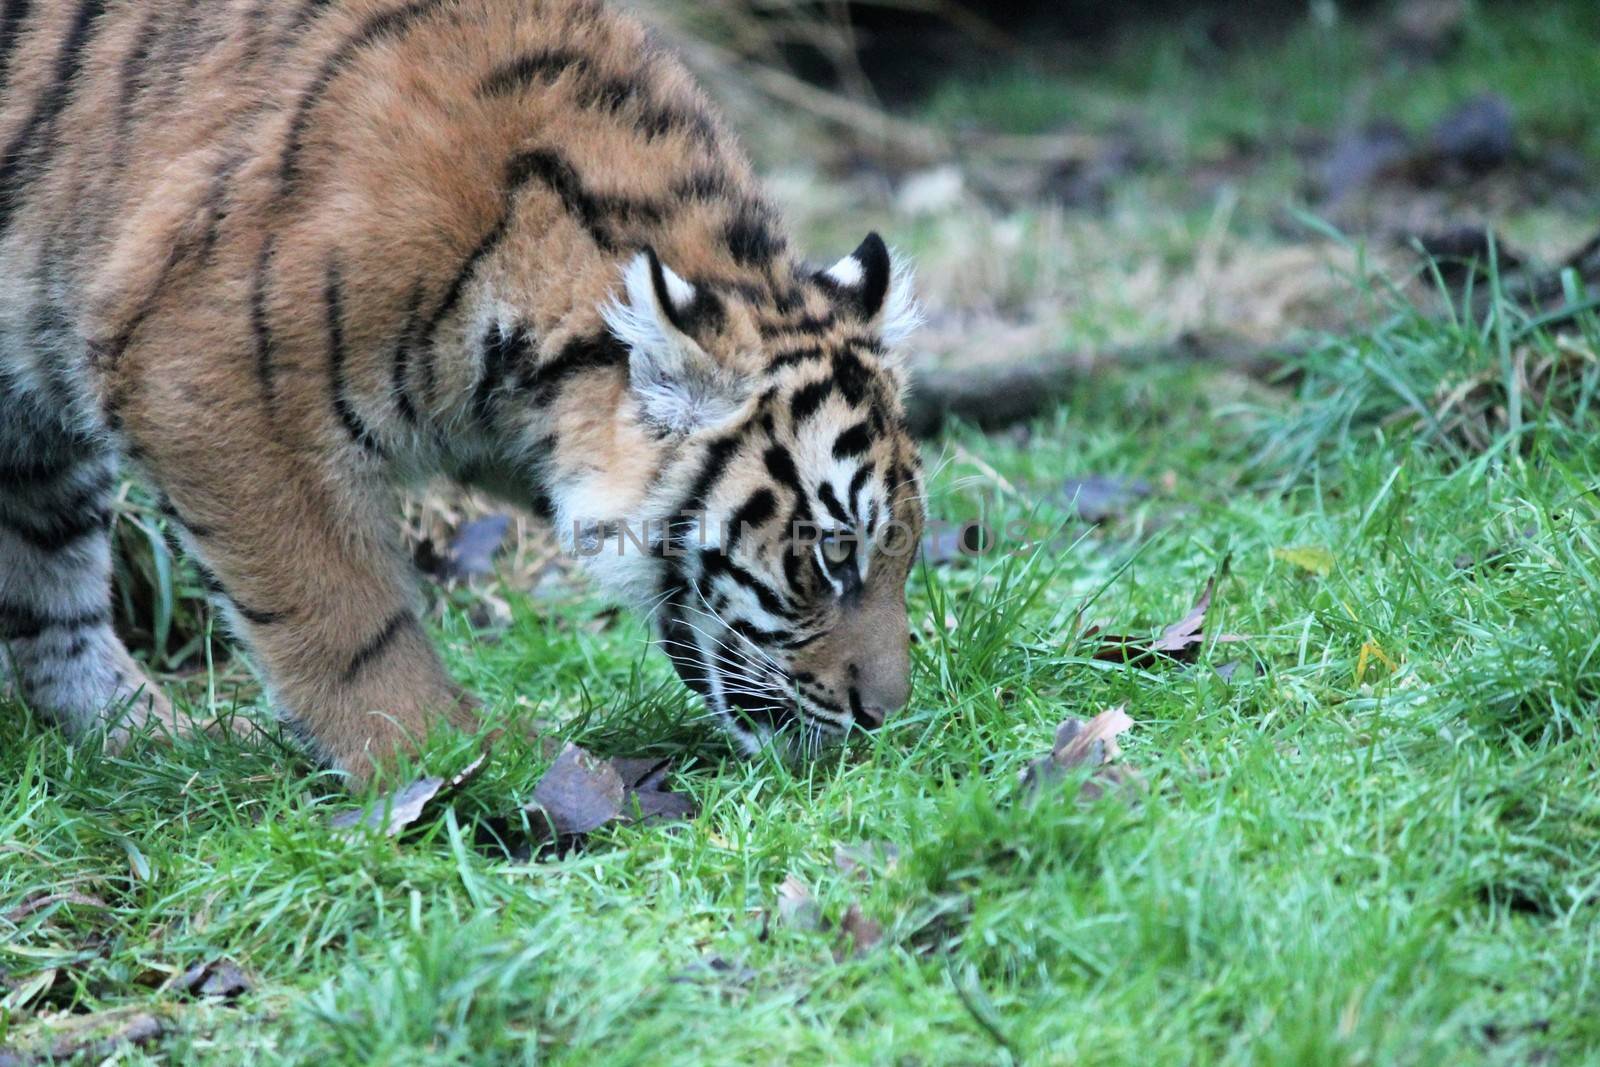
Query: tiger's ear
(876,287)
(680,387)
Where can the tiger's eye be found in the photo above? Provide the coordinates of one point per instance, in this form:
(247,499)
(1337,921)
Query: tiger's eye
(838,550)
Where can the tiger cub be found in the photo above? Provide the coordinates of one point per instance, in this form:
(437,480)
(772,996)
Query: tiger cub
(286,257)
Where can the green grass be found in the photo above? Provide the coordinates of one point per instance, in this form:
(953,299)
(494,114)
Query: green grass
(1376,841)
(1196,99)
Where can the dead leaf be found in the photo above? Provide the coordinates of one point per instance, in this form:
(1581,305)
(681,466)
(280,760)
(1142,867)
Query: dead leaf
(1180,642)
(581,793)
(797,908)
(1084,744)
(858,934)
(397,811)
(470,553)
(215,978)
(93,1037)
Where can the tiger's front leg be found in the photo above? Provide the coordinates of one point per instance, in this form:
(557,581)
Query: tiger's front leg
(316,586)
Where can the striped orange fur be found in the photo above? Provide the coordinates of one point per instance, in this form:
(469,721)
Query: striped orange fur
(286,257)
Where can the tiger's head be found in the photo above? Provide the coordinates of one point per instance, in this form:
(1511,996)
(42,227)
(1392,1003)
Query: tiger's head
(775,545)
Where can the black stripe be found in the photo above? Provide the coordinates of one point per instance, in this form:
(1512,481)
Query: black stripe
(216,198)
(808,639)
(594,211)
(34,472)
(780,466)
(715,564)
(750,236)
(133,66)
(831,502)
(394,23)
(61,532)
(852,442)
(452,297)
(756,635)
(12,16)
(519,74)
(808,399)
(718,456)
(261,327)
(333,300)
(259,618)
(793,357)
(214,586)
(374,648)
(25,157)
(402,357)
(596,92)
(195,530)
(806,324)
(502,352)
(542,382)
(702,185)
(18,623)
(821,700)
(858,482)
(757,509)
(852,375)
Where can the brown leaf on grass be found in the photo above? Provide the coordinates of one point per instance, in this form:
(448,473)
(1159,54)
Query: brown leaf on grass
(797,908)
(858,934)
(91,1038)
(1084,744)
(581,793)
(214,978)
(398,810)
(1180,642)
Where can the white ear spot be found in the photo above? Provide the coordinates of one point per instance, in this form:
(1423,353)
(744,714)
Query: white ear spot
(848,272)
(680,388)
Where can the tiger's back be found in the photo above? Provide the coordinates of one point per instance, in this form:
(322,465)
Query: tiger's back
(286,256)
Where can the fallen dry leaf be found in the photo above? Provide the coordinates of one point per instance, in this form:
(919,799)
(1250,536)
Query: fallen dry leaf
(858,934)
(1084,744)
(91,1037)
(797,908)
(470,553)
(581,793)
(214,978)
(1180,642)
(400,809)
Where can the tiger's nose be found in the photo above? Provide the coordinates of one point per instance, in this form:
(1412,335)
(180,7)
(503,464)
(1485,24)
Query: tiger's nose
(873,703)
